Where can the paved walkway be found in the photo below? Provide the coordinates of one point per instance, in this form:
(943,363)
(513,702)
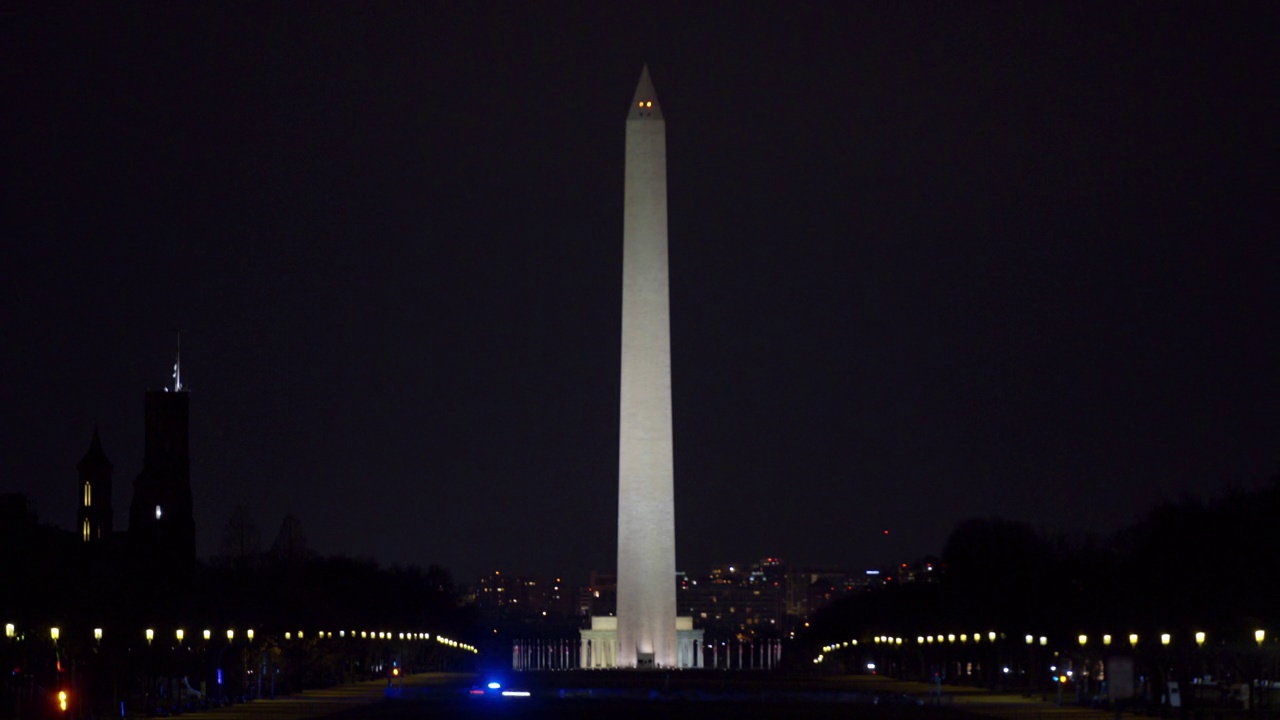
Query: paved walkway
(1002,705)
(328,701)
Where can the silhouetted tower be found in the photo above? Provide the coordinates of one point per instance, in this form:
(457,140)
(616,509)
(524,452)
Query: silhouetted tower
(95,493)
(160,517)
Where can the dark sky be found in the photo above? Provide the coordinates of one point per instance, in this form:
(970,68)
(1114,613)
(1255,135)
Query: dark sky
(928,262)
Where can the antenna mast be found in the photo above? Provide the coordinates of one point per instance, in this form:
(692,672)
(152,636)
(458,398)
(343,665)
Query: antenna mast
(177,363)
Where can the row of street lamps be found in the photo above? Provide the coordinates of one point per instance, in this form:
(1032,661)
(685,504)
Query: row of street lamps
(11,632)
(1259,636)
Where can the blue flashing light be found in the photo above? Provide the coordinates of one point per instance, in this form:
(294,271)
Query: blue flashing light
(495,686)
(219,676)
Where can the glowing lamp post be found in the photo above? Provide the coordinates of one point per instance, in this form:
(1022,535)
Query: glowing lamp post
(53,633)
(9,630)
(151,635)
(231,635)
(249,634)
(1165,639)
(1133,639)
(1200,639)
(97,634)
(1106,640)
(180,634)
(208,634)
(1260,636)
(1084,640)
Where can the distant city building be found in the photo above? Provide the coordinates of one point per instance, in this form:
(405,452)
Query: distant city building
(602,594)
(94,493)
(724,607)
(510,597)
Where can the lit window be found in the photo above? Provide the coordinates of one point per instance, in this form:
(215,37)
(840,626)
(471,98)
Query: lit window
(158,513)
(87,496)
(86,530)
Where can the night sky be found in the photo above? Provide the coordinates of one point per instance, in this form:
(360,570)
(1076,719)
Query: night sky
(928,262)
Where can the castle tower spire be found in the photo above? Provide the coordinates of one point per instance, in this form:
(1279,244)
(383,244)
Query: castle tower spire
(94,492)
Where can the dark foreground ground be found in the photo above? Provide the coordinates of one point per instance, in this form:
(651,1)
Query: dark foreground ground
(668,696)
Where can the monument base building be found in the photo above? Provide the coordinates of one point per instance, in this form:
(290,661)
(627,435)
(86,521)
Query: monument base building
(599,649)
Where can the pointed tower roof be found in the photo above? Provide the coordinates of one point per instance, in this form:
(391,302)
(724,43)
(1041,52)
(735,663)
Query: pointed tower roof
(94,457)
(644,106)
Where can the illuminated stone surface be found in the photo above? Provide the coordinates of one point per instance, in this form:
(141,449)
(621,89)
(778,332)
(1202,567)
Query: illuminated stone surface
(646,506)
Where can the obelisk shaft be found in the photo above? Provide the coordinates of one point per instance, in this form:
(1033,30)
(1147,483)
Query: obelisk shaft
(646,505)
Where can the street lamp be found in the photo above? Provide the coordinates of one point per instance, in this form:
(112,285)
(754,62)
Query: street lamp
(1044,640)
(249,634)
(1165,639)
(208,634)
(97,634)
(231,635)
(1259,635)
(1106,640)
(53,633)
(1133,639)
(151,635)
(9,630)
(1200,639)
(180,634)
(1083,640)
(1030,640)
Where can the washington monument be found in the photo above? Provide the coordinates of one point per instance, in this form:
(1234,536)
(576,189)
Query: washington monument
(646,505)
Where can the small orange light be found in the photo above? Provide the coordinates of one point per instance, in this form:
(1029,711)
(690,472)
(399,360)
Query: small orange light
(395,671)
(640,104)
(649,104)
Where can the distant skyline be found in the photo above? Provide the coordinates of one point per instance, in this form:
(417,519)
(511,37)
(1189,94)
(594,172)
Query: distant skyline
(928,262)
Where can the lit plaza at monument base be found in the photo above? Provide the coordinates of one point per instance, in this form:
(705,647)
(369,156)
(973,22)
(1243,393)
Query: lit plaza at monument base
(646,632)
(600,644)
